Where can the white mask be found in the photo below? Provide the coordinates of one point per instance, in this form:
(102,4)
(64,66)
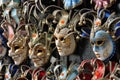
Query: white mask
(65,41)
(102,44)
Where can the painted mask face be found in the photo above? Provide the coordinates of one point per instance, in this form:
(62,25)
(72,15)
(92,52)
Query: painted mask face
(65,41)
(3,50)
(39,51)
(39,54)
(18,49)
(102,45)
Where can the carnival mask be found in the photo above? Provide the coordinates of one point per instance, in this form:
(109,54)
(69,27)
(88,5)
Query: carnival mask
(39,54)
(17,43)
(65,41)
(39,51)
(18,49)
(102,45)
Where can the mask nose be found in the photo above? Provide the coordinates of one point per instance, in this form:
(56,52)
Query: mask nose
(58,43)
(95,48)
(11,52)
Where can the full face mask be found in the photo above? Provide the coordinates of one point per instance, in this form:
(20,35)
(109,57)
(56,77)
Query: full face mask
(102,45)
(103,36)
(18,49)
(17,42)
(39,45)
(39,54)
(65,41)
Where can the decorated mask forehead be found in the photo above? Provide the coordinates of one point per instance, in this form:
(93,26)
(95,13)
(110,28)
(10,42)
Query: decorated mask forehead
(100,35)
(65,32)
(102,45)
(65,41)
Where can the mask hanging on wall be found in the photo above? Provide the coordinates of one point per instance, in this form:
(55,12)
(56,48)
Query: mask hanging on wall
(39,44)
(103,37)
(65,41)
(18,51)
(64,34)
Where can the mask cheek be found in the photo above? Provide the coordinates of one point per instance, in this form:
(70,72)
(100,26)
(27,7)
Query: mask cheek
(67,42)
(23,55)
(105,55)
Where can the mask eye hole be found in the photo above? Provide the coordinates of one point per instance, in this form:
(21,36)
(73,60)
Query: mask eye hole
(39,51)
(92,43)
(61,39)
(16,47)
(99,43)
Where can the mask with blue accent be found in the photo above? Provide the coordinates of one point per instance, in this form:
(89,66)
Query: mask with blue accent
(70,4)
(104,34)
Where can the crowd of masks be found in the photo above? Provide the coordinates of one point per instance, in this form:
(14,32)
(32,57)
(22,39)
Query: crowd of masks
(45,39)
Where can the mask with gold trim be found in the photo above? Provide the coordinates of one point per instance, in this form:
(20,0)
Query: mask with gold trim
(103,35)
(18,44)
(65,39)
(26,73)
(39,44)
